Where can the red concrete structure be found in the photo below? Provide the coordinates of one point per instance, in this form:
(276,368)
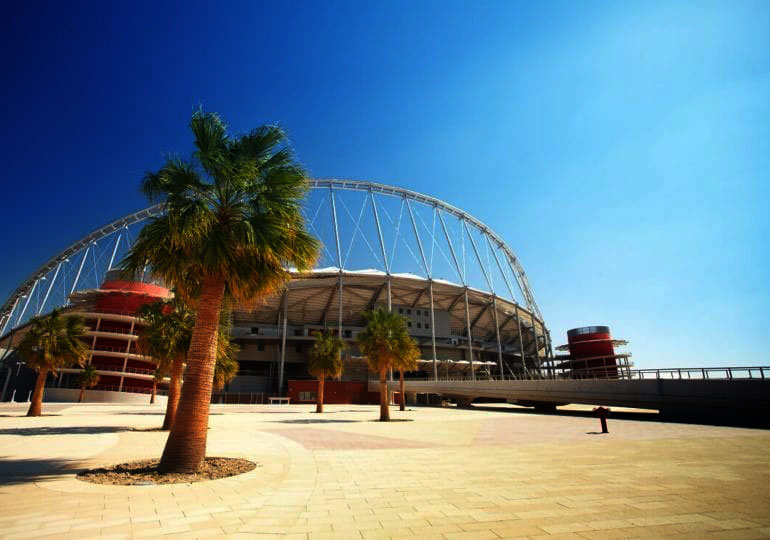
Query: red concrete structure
(592,354)
(335,392)
(113,330)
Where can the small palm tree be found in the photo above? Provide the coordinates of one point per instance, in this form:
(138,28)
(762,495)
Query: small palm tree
(382,342)
(166,339)
(51,343)
(407,354)
(157,376)
(226,367)
(88,378)
(325,360)
(232,228)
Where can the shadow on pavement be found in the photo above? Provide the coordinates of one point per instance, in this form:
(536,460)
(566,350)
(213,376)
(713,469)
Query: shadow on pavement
(64,430)
(23,471)
(24,415)
(314,421)
(618,415)
(733,421)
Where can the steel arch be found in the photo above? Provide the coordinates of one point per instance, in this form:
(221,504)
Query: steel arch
(28,286)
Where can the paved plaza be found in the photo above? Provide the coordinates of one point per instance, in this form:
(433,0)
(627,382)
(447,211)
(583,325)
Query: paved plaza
(431,473)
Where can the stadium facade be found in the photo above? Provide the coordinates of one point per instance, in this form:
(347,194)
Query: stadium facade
(462,290)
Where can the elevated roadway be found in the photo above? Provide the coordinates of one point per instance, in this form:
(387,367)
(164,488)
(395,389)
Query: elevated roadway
(726,400)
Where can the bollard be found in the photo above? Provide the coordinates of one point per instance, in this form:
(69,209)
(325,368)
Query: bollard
(602,413)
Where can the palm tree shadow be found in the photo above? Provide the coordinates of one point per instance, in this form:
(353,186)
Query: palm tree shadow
(64,430)
(316,421)
(14,471)
(24,415)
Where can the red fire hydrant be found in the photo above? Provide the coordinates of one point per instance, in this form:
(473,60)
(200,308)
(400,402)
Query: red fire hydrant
(602,413)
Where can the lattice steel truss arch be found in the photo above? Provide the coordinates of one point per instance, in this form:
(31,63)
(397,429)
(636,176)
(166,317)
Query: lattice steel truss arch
(15,311)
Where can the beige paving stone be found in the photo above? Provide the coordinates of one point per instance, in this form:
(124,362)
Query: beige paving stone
(448,473)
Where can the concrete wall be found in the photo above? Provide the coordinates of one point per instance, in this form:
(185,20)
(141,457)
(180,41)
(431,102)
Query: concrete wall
(70,395)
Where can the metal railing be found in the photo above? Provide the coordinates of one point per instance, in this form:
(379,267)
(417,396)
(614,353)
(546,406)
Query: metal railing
(119,369)
(228,398)
(114,330)
(738,372)
(112,311)
(111,348)
(706,373)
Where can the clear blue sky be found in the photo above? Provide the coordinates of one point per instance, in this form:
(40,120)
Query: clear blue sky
(622,148)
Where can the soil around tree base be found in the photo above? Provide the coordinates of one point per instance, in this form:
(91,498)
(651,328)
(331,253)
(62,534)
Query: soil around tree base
(145,473)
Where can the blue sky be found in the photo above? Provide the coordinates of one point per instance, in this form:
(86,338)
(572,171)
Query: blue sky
(622,149)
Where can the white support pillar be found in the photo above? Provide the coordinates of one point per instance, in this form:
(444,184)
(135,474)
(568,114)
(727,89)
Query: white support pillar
(433,332)
(339,309)
(537,344)
(283,341)
(390,310)
(499,344)
(521,341)
(470,335)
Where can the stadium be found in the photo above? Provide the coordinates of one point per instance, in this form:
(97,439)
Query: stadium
(465,296)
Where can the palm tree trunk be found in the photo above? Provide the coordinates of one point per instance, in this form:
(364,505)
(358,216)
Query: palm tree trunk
(402,407)
(384,406)
(80,397)
(319,398)
(36,407)
(174,386)
(186,444)
(154,389)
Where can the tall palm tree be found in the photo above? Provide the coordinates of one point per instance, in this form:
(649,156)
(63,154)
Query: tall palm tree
(325,360)
(382,342)
(51,343)
(407,354)
(232,227)
(88,378)
(166,339)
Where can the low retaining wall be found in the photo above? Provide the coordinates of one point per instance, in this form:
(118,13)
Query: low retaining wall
(70,395)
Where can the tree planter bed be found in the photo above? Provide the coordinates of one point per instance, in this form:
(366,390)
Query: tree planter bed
(144,473)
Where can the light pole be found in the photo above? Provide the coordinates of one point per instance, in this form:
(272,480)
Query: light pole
(16,378)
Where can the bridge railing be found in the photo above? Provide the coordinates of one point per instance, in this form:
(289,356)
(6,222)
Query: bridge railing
(730,372)
(705,373)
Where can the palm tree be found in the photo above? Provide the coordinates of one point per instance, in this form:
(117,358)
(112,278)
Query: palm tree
(325,360)
(226,367)
(51,343)
(88,378)
(157,376)
(383,343)
(232,227)
(166,338)
(407,354)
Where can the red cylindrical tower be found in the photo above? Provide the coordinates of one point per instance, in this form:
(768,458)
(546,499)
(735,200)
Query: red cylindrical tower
(592,352)
(113,330)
